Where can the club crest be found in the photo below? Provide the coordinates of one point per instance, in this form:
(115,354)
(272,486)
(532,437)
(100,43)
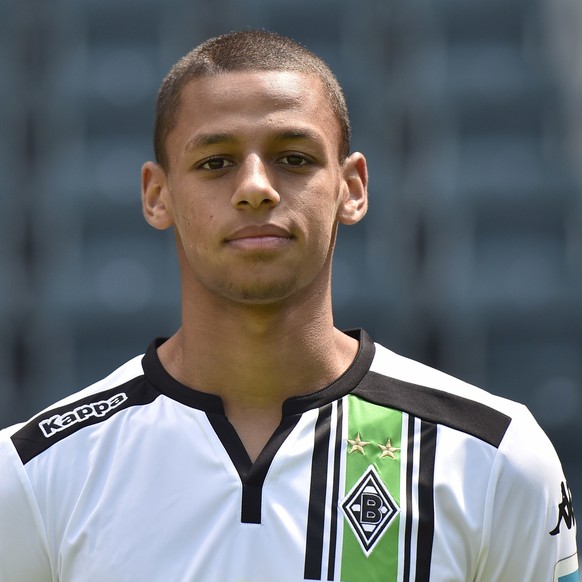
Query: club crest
(369,509)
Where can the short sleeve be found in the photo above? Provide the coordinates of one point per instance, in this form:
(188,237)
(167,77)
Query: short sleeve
(530,530)
(23,548)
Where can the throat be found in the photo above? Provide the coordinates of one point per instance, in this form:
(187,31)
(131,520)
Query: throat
(255,377)
(254,427)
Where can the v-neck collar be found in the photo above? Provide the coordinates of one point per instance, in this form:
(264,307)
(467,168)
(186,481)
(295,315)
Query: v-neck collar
(252,475)
(157,375)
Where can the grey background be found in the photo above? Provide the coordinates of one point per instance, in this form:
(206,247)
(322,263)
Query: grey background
(470,259)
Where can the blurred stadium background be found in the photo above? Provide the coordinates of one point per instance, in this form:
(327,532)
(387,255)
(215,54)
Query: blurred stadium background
(470,259)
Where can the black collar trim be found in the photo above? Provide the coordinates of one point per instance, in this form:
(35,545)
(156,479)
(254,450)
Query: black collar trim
(157,375)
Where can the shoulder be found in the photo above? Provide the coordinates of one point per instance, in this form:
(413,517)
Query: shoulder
(389,363)
(527,502)
(92,405)
(523,449)
(434,396)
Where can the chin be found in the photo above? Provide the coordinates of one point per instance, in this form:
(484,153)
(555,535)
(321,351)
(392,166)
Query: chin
(259,293)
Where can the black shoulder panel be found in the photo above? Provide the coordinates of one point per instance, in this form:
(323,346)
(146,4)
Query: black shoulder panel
(437,406)
(56,424)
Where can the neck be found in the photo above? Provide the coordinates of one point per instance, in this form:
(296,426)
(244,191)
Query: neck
(257,356)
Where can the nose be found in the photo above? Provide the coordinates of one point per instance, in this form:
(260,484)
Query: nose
(254,188)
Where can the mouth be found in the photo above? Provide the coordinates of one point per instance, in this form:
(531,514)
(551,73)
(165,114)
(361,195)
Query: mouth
(259,237)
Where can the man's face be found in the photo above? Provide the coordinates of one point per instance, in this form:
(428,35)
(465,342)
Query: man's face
(254,188)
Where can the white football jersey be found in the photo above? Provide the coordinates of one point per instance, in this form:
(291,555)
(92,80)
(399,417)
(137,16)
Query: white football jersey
(394,472)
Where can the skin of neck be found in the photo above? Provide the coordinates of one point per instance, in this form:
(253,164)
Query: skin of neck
(256,356)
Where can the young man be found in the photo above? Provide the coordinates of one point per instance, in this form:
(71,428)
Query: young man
(259,443)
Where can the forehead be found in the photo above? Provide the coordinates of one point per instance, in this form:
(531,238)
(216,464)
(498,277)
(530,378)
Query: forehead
(284,86)
(225,101)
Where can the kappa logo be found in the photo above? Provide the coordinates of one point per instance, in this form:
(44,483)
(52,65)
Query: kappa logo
(370,509)
(565,511)
(60,422)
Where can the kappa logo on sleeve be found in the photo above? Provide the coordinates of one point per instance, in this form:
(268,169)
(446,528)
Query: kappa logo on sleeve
(565,511)
(59,422)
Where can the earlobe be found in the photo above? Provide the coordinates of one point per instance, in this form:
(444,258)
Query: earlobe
(154,196)
(354,202)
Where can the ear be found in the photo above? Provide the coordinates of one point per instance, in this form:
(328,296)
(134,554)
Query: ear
(354,200)
(155,196)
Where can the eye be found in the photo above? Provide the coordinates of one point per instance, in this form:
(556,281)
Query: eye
(216,163)
(296,160)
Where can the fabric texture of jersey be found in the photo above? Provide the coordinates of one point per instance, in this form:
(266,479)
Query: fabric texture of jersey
(394,472)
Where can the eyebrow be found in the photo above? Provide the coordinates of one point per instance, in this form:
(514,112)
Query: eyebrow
(298,134)
(208,139)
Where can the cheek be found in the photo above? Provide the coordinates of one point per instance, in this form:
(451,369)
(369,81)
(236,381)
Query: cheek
(195,214)
(320,207)
(318,225)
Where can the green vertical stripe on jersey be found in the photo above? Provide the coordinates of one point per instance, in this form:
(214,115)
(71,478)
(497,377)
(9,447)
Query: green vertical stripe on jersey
(375,425)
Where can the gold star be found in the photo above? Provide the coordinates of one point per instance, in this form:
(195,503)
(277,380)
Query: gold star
(357,444)
(388,450)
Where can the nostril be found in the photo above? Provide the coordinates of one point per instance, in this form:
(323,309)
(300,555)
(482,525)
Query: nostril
(255,198)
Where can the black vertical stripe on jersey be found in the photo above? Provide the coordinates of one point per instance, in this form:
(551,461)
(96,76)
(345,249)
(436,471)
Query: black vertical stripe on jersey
(252,498)
(409,508)
(335,492)
(316,511)
(428,441)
